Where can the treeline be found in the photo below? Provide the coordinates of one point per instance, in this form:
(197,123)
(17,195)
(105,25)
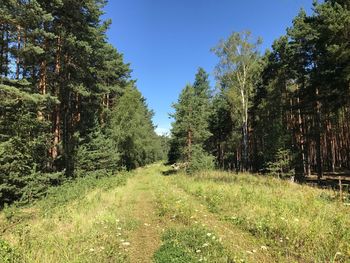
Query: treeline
(68,106)
(286,112)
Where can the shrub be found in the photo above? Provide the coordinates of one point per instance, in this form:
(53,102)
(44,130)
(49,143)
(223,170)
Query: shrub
(189,245)
(8,254)
(281,167)
(200,160)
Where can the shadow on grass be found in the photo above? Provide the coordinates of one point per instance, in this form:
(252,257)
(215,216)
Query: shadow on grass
(169,172)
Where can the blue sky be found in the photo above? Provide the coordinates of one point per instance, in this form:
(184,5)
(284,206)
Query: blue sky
(167,40)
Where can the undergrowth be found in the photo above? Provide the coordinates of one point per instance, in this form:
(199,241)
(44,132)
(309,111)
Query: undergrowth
(189,245)
(294,221)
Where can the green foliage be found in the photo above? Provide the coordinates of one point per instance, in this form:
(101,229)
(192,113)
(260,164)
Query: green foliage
(75,222)
(24,144)
(77,189)
(8,254)
(287,219)
(59,81)
(281,167)
(98,154)
(225,138)
(191,245)
(200,160)
(238,73)
(133,131)
(190,130)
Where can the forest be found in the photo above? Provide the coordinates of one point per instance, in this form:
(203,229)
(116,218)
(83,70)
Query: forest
(285,112)
(68,105)
(242,176)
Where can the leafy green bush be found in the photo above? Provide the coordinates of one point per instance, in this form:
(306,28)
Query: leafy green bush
(75,189)
(189,245)
(200,160)
(8,254)
(281,167)
(98,152)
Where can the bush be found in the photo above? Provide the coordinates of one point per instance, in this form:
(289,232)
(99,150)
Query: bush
(194,244)
(281,167)
(200,160)
(98,152)
(8,254)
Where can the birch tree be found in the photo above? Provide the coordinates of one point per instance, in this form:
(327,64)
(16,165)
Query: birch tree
(238,70)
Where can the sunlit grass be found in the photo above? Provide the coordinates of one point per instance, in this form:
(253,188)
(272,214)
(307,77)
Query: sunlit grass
(241,218)
(295,221)
(77,222)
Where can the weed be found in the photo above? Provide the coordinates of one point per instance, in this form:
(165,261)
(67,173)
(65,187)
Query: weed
(191,244)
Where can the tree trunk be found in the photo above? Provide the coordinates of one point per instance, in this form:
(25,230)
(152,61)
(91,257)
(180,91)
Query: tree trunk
(319,159)
(189,144)
(56,119)
(18,50)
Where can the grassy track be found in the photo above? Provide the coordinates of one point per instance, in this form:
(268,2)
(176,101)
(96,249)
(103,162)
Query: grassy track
(144,216)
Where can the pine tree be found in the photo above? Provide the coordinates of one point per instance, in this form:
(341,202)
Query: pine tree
(133,131)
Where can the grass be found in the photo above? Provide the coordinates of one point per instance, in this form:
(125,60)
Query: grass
(191,244)
(76,222)
(297,222)
(143,216)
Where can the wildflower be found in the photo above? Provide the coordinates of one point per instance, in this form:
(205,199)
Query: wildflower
(126,243)
(208,234)
(198,251)
(205,245)
(92,250)
(263,248)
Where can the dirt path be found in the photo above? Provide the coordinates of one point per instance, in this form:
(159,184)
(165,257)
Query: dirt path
(145,239)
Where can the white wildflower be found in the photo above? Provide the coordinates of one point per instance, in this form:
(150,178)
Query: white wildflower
(263,248)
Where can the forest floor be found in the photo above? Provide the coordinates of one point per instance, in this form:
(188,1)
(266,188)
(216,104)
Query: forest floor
(151,217)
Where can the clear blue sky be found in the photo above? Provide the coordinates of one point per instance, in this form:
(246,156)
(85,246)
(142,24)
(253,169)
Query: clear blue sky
(167,40)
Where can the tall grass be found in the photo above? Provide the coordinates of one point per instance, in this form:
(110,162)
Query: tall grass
(297,222)
(75,222)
